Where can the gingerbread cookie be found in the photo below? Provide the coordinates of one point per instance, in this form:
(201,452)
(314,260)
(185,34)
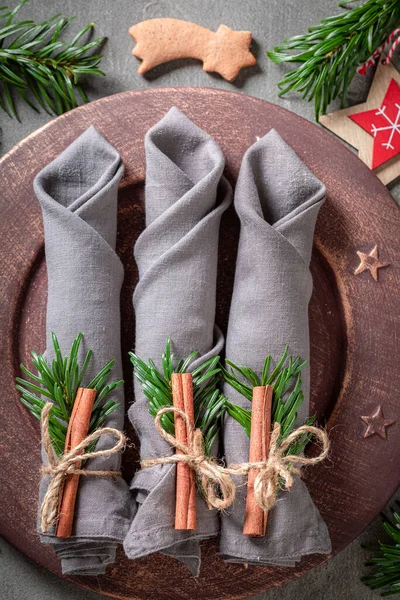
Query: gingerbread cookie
(160,40)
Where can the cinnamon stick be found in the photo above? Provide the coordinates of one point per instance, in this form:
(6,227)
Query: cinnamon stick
(78,428)
(185,507)
(255,521)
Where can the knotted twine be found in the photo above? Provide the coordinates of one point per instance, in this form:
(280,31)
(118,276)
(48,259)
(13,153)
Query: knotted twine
(218,487)
(60,468)
(278,469)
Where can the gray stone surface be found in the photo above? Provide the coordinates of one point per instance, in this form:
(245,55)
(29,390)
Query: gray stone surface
(270,22)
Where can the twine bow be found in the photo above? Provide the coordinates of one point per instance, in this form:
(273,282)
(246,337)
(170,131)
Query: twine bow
(213,476)
(219,489)
(60,468)
(280,467)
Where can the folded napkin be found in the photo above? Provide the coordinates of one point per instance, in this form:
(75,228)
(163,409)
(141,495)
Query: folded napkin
(175,297)
(78,196)
(277,199)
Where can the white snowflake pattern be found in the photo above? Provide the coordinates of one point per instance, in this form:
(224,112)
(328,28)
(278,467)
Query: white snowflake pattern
(393,127)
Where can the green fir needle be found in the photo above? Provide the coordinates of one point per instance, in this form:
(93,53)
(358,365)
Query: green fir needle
(41,68)
(329,54)
(209,405)
(59,382)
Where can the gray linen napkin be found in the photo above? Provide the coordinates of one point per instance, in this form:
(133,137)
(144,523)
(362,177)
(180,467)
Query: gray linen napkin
(277,199)
(78,196)
(175,297)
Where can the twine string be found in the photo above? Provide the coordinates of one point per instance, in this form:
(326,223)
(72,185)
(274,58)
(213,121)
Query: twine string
(280,467)
(396,36)
(60,468)
(393,39)
(219,488)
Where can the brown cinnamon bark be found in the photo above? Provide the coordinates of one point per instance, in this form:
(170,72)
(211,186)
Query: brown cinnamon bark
(78,428)
(255,521)
(185,507)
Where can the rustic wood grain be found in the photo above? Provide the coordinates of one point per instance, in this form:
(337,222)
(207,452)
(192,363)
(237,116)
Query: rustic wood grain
(340,123)
(354,325)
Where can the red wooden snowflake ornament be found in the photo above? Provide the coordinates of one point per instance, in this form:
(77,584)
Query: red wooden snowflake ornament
(384,125)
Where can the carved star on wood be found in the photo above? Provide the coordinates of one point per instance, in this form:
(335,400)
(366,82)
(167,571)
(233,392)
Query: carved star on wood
(377,424)
(370,262)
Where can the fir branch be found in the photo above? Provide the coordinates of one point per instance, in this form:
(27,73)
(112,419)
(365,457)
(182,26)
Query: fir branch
(330,52)
(39,67)
(59,382)
(285,380)
(156,386)
(387,563)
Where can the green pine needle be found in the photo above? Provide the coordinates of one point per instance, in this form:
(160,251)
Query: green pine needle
(285,380)
(156,386)
(39,67)
(330,52)
(387,563)
(59,382)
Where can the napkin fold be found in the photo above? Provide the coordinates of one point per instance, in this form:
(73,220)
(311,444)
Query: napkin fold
(277,200)
(176,255)
(78,196)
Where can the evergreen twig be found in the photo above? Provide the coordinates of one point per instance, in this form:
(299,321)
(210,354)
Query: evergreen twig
(387,563)
(59,382)
(156,386)
(38,66)
(285,380)
(330,52)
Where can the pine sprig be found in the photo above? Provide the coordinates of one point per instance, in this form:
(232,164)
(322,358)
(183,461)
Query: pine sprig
(387,564)
(285,380)
(156,386)
(59,382)
(38,66)
(330,52)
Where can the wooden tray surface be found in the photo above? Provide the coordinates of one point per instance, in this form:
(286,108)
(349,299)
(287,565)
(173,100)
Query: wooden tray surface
(354,325)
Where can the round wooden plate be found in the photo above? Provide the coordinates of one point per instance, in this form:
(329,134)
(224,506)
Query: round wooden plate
(354,324)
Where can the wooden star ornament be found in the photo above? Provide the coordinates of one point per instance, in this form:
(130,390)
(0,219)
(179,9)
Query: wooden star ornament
(370,262)
(384,126)
(344,123)
(377,424)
